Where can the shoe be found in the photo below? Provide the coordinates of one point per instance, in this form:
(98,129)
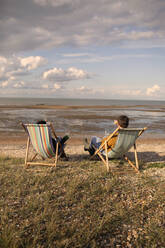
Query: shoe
(86,145)
(63,156)
(64,139)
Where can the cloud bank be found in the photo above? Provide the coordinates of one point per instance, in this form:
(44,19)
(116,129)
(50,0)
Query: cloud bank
(53,23)
(20,73)
(57,46)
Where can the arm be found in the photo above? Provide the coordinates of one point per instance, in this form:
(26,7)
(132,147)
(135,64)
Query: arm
(53,132)
(107,139)
(142,131)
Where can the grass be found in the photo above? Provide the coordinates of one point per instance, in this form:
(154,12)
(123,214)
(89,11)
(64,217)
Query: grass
(79,205)
(156,165)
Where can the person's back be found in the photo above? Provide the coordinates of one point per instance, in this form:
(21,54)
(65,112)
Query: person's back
(121,122)
(61,140)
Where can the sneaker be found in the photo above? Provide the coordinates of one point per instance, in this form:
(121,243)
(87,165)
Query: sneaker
(86,145)
(64,139)
(63,156)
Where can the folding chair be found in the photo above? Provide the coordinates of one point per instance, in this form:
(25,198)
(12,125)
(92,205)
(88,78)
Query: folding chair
(40,136)
(125,140)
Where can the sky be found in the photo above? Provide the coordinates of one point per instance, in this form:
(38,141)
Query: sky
(107,49)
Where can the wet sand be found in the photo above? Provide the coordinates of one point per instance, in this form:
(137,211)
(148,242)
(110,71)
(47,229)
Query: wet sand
(82,119)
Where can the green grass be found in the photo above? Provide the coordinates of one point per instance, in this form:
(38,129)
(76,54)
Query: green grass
(156,165)
(79,205)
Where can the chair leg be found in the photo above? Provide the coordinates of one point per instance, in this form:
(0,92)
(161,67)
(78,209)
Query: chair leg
(34,157)
(27,151)
(102,158)
(104,161)
(136,157)
(130,163)
(107,164)
(56,156)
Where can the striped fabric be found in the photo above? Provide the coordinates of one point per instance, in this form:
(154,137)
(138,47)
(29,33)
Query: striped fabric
(40,137)
(126,139)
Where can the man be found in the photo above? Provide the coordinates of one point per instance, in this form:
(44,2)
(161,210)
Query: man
(121,122)
(54,142)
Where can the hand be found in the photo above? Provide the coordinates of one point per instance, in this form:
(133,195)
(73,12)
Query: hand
(115,122)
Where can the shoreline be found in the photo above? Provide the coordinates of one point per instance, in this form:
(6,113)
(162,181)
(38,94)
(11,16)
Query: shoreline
(135,107)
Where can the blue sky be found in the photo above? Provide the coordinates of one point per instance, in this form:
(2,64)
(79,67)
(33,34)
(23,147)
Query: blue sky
(111,49)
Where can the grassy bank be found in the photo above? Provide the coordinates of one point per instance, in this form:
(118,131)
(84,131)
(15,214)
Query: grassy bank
(80,205)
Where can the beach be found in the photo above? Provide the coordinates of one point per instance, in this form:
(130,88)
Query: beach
(83,120)
(149,149)
(78,196)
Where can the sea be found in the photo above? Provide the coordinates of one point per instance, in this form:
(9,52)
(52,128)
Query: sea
(84,117)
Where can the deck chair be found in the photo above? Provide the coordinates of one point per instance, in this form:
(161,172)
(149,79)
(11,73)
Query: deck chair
(40,136)
(125,140)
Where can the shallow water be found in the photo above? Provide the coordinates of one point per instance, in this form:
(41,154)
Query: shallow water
(83,121)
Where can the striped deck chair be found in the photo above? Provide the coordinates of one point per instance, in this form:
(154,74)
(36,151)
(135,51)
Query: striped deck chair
(125,140)
(40,136)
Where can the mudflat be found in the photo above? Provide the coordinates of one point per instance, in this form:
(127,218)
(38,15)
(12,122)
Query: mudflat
(80,122)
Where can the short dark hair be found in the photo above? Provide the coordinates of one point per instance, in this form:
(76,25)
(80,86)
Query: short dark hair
(123,121)
(41,122)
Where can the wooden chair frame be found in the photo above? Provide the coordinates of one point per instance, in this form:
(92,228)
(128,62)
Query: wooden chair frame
(106,159)
(30,162)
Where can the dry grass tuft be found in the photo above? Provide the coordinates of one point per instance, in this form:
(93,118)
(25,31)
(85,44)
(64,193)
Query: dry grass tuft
(80,205)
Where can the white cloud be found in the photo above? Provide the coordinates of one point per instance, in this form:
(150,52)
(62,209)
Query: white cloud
(60,75)
(32,62)
(3,60)
(3,63)
(57,86)
(15,70)
(19,84)
(2,71)
(9,83)
(16,66)
(45,86)
(131,92)
(94,58)
(136,35)
(153,90)
(88,91)
(54,87)
(4,84)
(11,78)
(137,93)
(73,55)
(83,89)
(53,3)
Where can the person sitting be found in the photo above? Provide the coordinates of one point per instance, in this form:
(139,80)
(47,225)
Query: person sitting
(54,142)
(121,122)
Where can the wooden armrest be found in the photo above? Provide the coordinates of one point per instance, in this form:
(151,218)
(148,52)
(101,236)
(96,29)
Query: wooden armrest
(106,141)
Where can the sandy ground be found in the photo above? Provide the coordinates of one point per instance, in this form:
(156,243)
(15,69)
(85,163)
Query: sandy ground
(149,149)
